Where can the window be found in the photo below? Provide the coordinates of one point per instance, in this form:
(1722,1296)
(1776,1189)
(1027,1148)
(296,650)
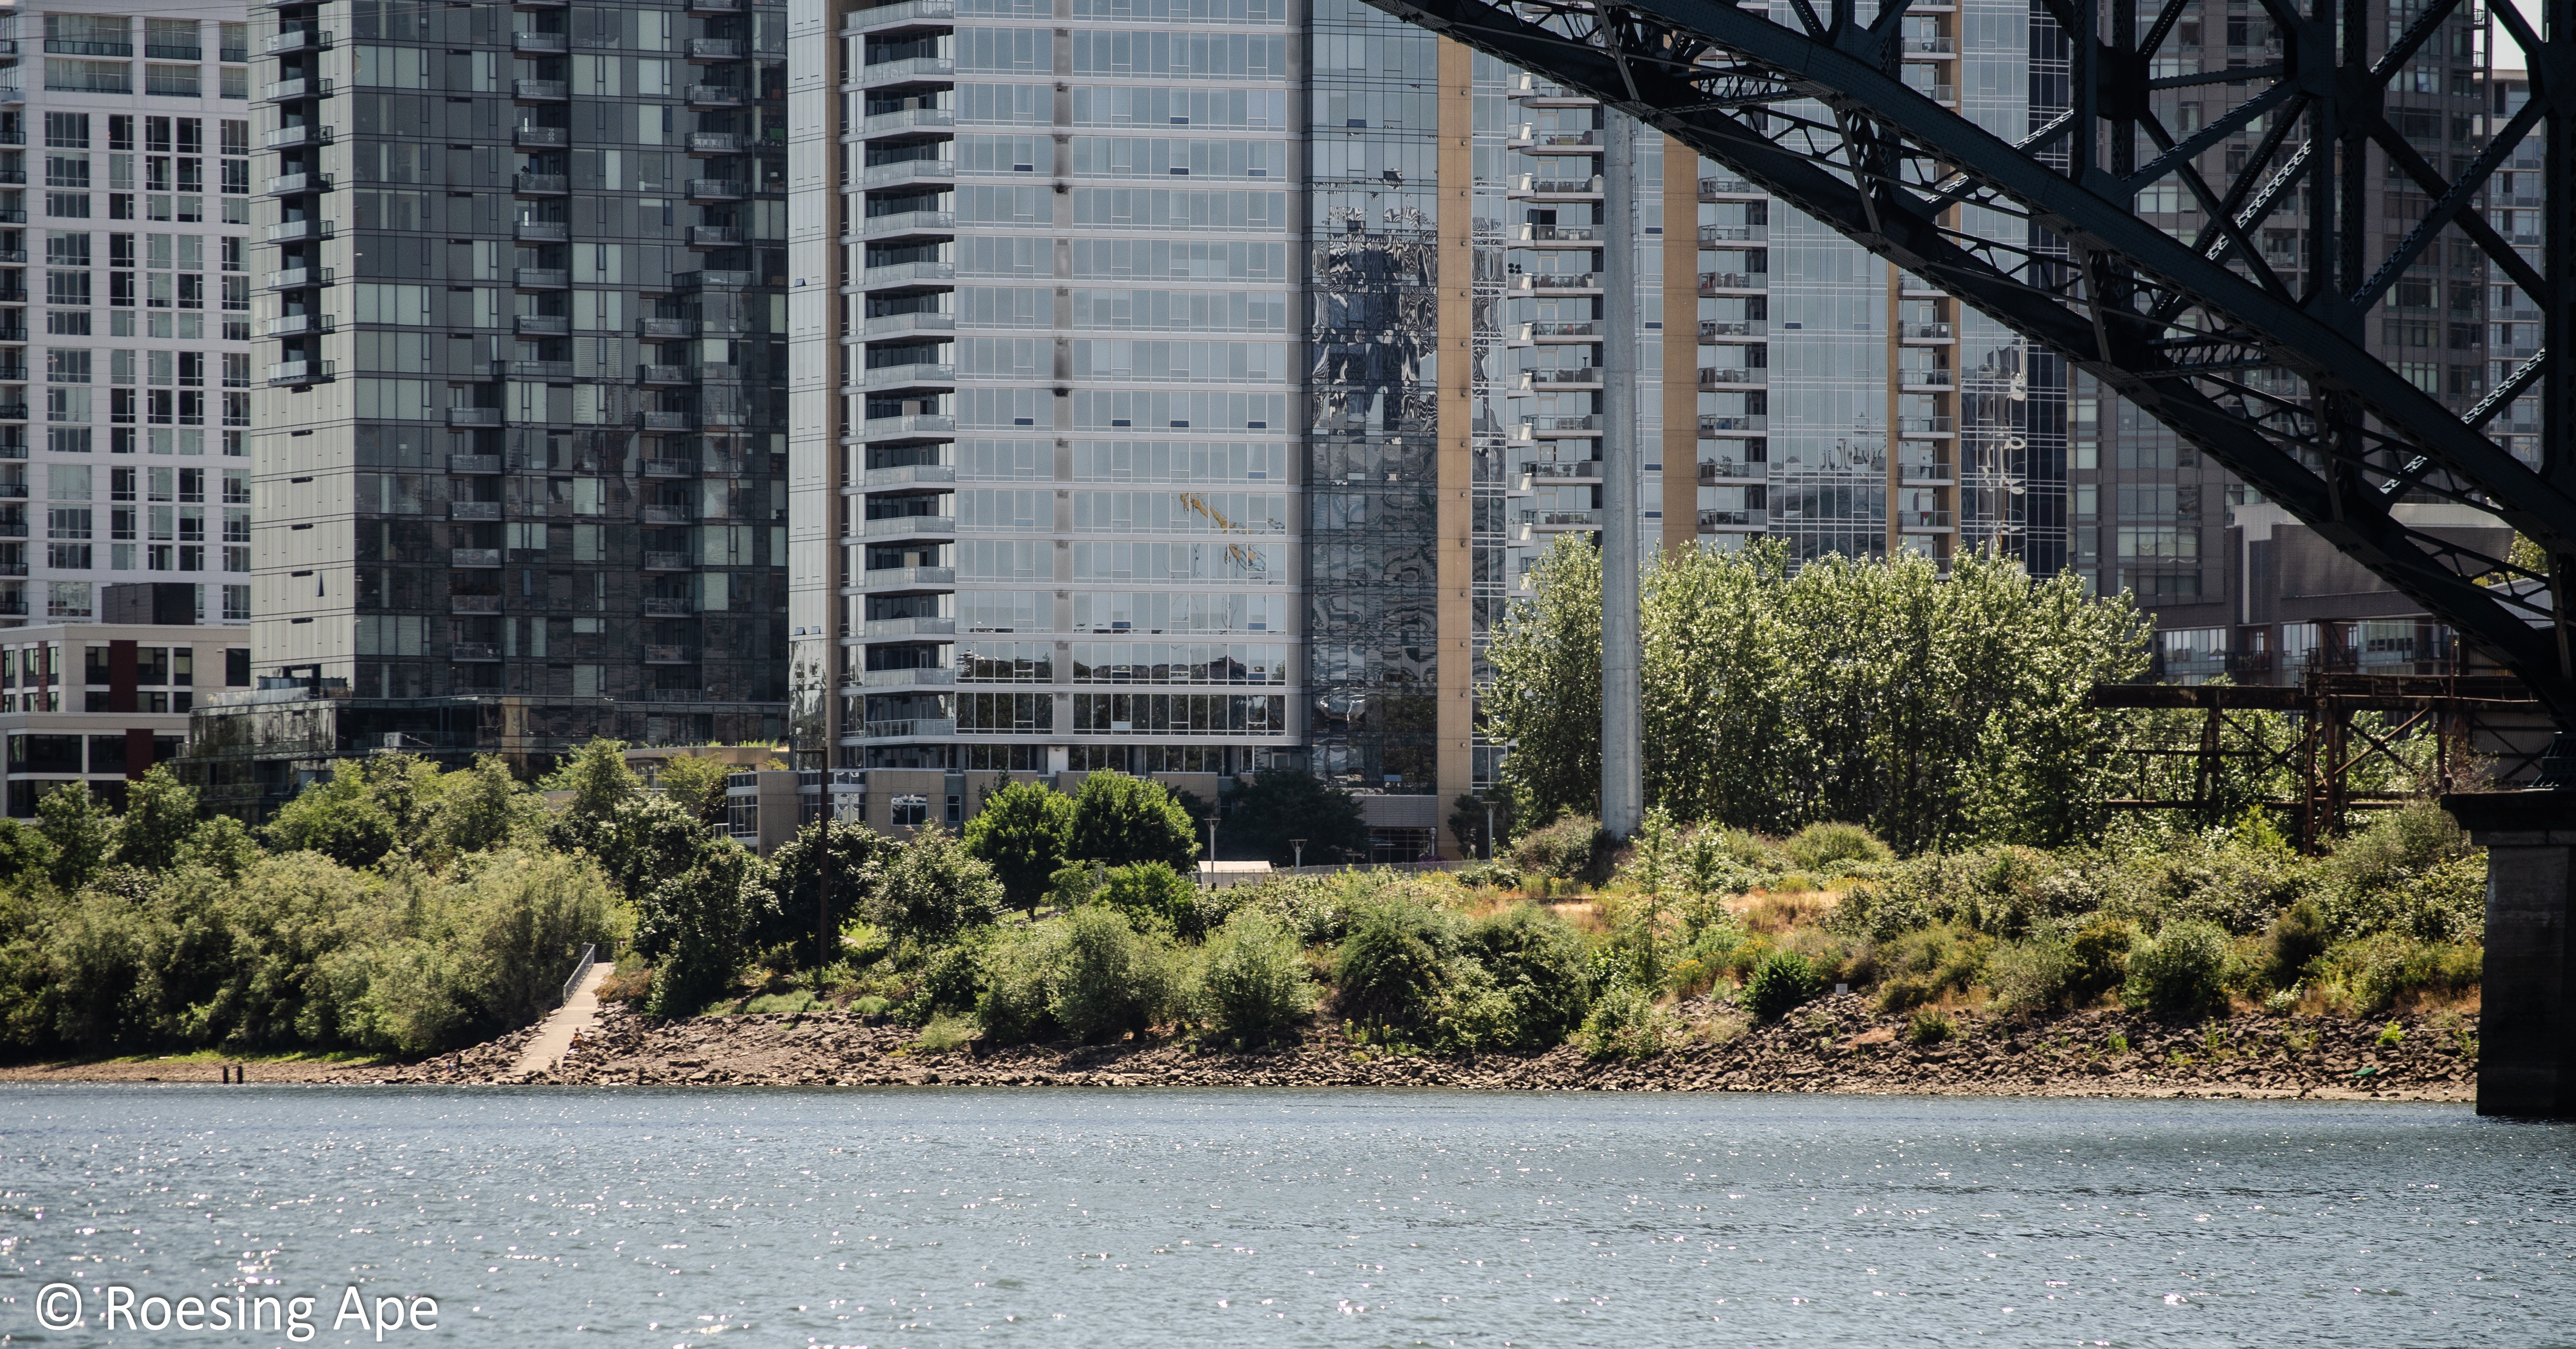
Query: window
(120,131)
(66,131)
(171,40)
(910,810)
(87,77)
(67,171)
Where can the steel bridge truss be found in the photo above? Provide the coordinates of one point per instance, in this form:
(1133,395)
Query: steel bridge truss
(2259,364)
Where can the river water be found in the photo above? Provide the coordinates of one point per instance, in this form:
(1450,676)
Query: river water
(929,1217)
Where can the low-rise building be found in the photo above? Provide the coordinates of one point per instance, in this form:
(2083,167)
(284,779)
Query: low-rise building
(101,703)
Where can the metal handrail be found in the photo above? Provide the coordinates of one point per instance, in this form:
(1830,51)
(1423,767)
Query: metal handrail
(580,966)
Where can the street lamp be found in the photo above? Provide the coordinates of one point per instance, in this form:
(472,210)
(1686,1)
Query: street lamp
(1211,824)
(1300,845)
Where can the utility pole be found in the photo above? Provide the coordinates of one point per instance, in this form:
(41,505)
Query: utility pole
(1622,773)
(823,890)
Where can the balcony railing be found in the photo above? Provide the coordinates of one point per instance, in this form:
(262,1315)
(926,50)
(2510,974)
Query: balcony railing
(669,606)
(474,557)
(718,189)
(473,604)
(910,730)
(716,96)
(541,231)
(473,510)
(477,651)
(472,463)
(298,372)
(666,561)
(540,44)
(540,184)
(1712,282)
(1710,329)
(540,137)
(540,91)
(540,278)
(471,417)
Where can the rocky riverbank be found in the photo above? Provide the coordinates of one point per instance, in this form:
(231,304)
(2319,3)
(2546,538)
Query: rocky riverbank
(1836,1044)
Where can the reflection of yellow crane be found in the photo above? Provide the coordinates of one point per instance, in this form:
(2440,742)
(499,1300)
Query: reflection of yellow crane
(1235,552)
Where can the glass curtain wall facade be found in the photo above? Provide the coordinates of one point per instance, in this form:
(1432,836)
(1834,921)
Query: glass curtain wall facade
(1045,509)
(125,324)
(517,437)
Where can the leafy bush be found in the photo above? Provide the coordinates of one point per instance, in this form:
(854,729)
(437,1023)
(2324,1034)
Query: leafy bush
(1393,965)
(945,978)
(1499,875)
(1253,983)
(1783,982)
(1316,909)
(1822,846)
(1575,847)
(1715,860)
(1920,967)
(2181,972)
(1153,898)
(944,1034)
(1625,1023)
(2371,975)
(1119,819)
(2030,976)
(1536,963)
(1928,1028)
(1018,969)
(930,890)
(2099,956)
(2297,937)
(1110,979)
(692,927)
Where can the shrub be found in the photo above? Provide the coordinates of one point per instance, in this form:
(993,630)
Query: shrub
(1152,897)
(946,978)
(2297,937)
(1625,1023)
(1119,819)
(1537,964)
(1110,979)
(931,890)
(1253,981)
(1575,847)
(692,926)
(944,1034)
(2181,972)
(1928,1028)
(1919,967)
(1783,982)
(1821,846)
(2030,976)
(2372,975)
(1018,969)
(1472,1013)
(1315,909)
(1393,964)
(2098,957)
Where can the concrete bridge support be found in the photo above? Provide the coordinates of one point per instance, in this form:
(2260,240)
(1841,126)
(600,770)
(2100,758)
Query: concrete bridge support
(2527,1025)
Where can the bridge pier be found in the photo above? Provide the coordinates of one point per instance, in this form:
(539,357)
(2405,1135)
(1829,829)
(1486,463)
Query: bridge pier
(2527,1025)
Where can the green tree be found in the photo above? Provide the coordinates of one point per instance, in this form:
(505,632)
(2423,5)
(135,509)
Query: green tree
(696,783)
(794,879)
(221,844)
(930,890)
(160,817)
(599,780)
(645,839)
(81,830)
(1281,805)
(693,926)
(1546,694)
(338,817)
(1119,819)
(24,851)
(481,808)
(1022,834)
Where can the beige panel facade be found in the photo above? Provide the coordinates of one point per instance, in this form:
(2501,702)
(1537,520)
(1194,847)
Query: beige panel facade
(1456,470)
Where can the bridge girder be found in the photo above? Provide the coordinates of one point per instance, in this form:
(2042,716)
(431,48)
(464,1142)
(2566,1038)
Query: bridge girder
(2266,373)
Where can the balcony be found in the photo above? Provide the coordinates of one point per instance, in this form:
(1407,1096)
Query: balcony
(473,510)
(1559,282)
(1933,471)
(928,172)
(1714,283)
(664,561)
(670,468)
(1737,424)
(908,121)
(540,44)
(706,144)
(715,6)
(662,374)
(292,184)
(919,677)
(13,411)
(1581,377)
(704,237)
(540,137)
(907,475)
(1711,330)
(908,428)
(907,70)
(293,231)
(908,274)
(890,579)
(665,329)
(1924,426)
(297,278)
(716,96)
(707,51)
(548,370)
(1546,332)
(540,91)
(665,421)
(473,604)
(471,463)
(665,515)
(462,418)
(524,4)
(1729,234)
(1713,471)
(896,224)
(907,526)
(1923,379)
(541,231)
(541,325)
(295,40)
(670,606)
(302,133)
(670,655)
(1714,519)
(474,557)
(540,185)
(909,375)
(474,651)
(910,730)
(1531,185)
(1589,425)
(296,325)
(302,86)
(540,278)
(897,325)
(1560,522)
(1710,189)
(910,627)
(1924,332)
(298,372)
(718,189)
(715,278)
(716,372)
(1922,522)
(1726,376)
(881,17)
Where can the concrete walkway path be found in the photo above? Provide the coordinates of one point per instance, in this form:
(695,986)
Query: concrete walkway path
(579,1014)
